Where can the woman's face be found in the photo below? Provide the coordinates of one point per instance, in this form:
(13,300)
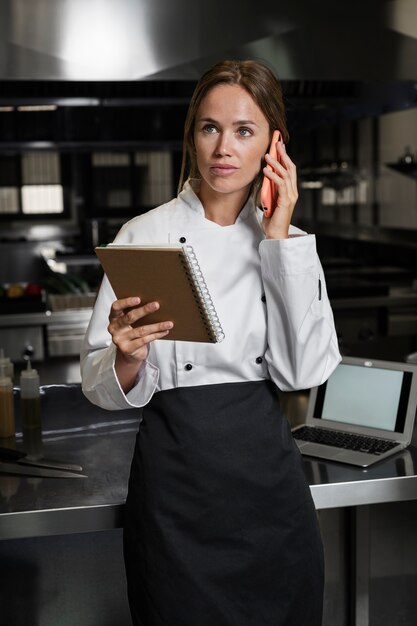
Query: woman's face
(231,136)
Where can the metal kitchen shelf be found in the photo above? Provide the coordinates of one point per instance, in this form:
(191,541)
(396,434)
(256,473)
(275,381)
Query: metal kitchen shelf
(46,318)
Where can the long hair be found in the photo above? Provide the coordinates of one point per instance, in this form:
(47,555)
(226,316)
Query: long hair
(261,84)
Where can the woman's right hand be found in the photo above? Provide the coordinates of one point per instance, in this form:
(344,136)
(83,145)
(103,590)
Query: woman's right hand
(133,343)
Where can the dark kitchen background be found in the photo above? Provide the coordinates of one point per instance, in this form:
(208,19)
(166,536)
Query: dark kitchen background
(92,103)
(93,96)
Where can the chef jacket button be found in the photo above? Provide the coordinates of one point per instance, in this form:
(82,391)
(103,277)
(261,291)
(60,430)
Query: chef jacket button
(259,360)
(182,240)
(263,298)
(188,367)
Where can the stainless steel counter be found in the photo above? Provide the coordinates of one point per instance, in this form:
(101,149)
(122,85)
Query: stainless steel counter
(102,442)
(78,432)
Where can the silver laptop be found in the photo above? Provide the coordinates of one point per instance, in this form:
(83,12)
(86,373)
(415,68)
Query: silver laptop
(364,413)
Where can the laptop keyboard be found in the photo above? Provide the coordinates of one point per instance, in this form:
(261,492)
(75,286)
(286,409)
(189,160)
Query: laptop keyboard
(339,439)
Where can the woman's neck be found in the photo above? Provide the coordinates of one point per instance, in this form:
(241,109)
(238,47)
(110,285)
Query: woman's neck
(222,208)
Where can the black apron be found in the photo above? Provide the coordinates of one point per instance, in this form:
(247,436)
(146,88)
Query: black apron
(220,527)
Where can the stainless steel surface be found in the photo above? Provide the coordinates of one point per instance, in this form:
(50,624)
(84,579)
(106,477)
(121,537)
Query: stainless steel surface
(386,482)
(45,319)
(18,341)
(361,540)
(60,521)
(73,431)
(17,456)
(130,40)
(65,339)
(46,334)
(102,442)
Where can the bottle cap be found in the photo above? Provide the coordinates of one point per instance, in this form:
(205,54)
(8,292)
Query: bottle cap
(29,381)
(29,372)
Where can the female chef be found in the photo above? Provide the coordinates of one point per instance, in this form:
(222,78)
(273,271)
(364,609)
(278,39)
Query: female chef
(220,528)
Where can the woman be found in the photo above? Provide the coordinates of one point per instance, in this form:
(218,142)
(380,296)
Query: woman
(220,528)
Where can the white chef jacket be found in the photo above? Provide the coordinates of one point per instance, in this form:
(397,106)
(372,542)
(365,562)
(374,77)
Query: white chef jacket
(270,296)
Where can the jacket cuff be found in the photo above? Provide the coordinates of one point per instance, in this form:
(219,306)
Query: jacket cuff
(139,395)
(296,255)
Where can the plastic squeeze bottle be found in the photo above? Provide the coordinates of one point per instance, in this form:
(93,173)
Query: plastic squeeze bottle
(7,364)
(30,397)
(30,401)
(7,421)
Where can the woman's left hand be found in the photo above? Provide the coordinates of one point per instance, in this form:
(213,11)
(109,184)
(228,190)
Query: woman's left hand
(284,177)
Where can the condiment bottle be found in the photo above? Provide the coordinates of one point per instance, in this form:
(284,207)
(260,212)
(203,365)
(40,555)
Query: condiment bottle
(31,409)
(7,364)
(7,421)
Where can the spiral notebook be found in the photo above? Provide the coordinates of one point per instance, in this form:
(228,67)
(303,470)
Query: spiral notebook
(170,275)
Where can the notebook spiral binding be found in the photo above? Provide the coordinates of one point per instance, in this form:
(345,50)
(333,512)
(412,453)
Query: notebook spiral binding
(203,295)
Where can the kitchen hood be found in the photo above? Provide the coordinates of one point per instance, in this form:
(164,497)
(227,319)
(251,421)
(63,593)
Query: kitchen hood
(345,60)
(73,40)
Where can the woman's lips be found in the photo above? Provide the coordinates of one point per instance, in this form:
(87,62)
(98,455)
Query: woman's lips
(223,170)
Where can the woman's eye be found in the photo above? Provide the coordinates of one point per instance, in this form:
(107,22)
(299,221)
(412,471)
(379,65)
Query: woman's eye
(209,128)
(244,132)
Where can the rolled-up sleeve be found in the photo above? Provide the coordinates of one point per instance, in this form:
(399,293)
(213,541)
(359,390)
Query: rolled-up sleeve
(302,343)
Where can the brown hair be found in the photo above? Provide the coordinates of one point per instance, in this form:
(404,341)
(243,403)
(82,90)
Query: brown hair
(261,84)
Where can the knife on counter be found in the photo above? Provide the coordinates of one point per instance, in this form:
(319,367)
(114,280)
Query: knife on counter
(15,458)
(33,470)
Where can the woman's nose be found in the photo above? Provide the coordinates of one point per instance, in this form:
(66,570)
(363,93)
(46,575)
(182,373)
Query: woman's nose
(224,145)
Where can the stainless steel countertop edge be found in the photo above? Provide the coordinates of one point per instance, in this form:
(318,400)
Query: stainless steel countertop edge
(70,520)
(364,492)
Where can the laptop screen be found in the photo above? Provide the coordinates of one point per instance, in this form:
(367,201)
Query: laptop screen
(372,397)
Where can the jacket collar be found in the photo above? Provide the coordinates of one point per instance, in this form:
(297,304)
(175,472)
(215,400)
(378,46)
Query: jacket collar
(190,198)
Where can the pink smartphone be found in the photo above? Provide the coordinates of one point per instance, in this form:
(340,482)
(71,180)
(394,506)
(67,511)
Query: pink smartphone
(268,189)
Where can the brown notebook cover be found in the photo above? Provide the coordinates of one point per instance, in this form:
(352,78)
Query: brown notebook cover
(170,275)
